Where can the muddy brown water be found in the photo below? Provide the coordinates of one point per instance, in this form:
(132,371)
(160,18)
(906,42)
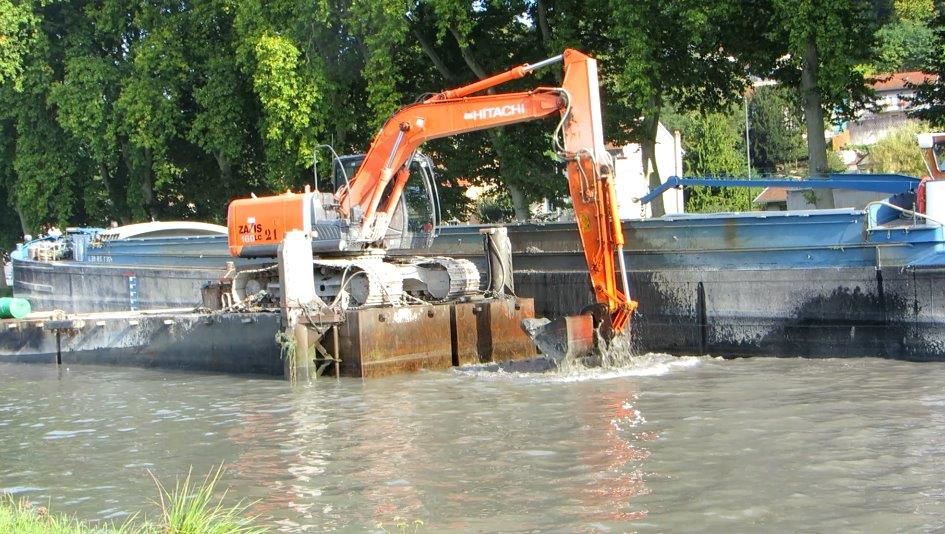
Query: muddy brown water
(662,445)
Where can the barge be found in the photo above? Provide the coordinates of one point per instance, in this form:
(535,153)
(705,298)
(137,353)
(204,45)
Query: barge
(843,282)
(859,281)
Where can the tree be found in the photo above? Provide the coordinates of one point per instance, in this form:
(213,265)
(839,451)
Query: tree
(777,128)
(715,146)
(17,33)
(899,153)
(680,52)
(903,46)
(930,96)
(136,109)
(464,42)
(914,10)
(905,42)
(47,165)
(818,47)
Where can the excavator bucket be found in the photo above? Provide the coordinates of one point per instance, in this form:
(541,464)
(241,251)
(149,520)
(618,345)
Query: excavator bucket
(563,339)
(573,337)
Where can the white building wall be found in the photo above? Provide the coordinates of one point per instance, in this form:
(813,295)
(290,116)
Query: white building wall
(631,181)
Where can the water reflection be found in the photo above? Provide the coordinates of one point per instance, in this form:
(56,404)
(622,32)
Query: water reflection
(615,460)
(455,451)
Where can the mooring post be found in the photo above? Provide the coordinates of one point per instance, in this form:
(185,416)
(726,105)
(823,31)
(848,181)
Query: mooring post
(336,351)
(299,366)
(498,249)
(298,295)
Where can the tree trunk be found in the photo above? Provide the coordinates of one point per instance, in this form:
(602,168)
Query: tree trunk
(430,52)
(122,177)
(519,204)
(24,226)
(546,40)
(813,110)
(226,168)
(468,57)
(115,192)
(650,127)
(147,184)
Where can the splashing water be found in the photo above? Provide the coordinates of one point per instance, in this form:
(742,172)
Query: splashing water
(619,360)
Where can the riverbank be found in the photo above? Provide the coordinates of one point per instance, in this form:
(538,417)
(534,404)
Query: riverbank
(189,507)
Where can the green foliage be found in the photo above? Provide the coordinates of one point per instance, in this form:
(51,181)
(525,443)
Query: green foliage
(777,129)
(45,166)
(719,199)
(930,97)
(899,153)
(129,110)
(287,100)
(495,208)
(842,32)
(384,28)
(20,517)
(820,49)
(191,508)
(914,10)
(903,45)
(675,50)
(715,145)
(835,163)
(17,32)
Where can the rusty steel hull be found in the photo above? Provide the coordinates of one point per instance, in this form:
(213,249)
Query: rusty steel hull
(490,331)
(371,342)
(380,342)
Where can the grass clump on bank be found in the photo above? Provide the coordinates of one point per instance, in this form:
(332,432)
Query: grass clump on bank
(189,508)
(20,517)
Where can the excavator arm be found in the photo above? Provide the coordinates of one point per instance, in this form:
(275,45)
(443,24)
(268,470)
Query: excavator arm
(372,194)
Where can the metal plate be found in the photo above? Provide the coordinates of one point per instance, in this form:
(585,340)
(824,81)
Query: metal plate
(384,341)
(490,331)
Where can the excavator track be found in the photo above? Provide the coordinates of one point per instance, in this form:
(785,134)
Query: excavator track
(369,282)
(463,274)
(438,278)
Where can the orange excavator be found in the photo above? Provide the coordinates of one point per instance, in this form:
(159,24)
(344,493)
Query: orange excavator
(349,229)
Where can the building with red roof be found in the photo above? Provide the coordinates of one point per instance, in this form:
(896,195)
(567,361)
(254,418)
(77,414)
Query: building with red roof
(894,101)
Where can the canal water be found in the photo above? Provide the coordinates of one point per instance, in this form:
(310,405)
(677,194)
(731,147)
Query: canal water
(661,445)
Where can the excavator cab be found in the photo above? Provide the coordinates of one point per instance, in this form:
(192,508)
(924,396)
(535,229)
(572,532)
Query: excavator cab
(415,221)
(933,148)
(938,154)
